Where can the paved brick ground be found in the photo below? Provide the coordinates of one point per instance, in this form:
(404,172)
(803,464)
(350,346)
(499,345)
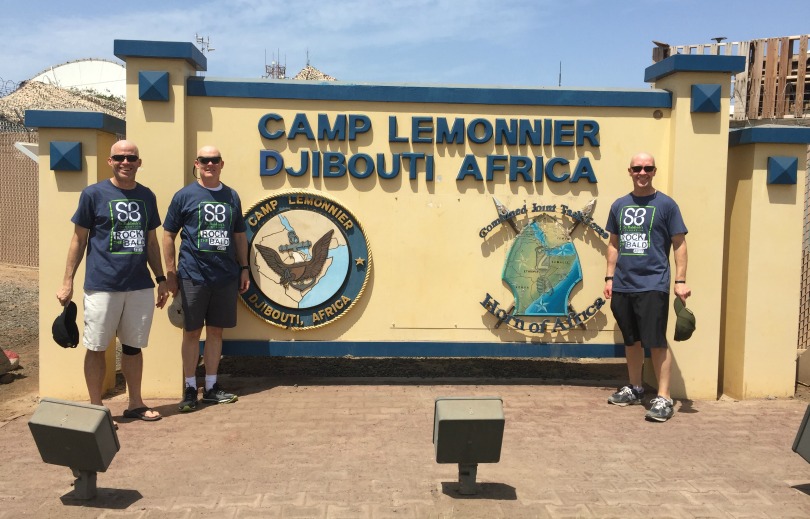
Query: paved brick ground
(350,449)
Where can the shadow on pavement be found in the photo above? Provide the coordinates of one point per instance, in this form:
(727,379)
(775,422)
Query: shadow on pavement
(110,498)
(686,406)
(498,491)
(805,488)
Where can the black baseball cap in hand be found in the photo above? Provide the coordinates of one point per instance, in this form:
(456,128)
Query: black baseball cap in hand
(685,324)
(65,331)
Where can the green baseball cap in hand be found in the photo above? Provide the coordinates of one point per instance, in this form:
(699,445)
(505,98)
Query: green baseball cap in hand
(685,324)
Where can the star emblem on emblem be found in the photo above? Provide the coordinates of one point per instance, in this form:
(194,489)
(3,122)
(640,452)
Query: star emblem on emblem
(360,262)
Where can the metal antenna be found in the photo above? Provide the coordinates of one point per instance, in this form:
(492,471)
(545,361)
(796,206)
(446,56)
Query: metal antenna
(204,42)
(275,70)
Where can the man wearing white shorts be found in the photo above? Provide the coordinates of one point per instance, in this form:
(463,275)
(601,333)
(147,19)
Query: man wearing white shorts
(115,225)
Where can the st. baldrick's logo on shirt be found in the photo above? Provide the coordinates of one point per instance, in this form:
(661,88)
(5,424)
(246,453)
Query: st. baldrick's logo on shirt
(129,221)
(309,260)
(215,220)
(635,229)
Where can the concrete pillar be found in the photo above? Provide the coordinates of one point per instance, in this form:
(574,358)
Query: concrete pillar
(698,144)
(157,112)
(762,260)
(73,151)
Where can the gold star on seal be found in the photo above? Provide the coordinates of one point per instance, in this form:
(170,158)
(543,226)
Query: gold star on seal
(359,261)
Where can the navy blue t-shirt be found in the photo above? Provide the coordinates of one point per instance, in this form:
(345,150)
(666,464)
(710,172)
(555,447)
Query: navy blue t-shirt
(645,226)
(119,221)
(206,221)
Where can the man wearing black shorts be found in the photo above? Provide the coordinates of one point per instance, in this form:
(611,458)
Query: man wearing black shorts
(211,272)
(644,225)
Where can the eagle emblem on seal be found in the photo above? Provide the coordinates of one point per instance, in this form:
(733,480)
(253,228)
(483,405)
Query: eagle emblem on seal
(302,274)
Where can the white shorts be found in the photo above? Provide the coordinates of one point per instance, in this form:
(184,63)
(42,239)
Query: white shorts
(127,315)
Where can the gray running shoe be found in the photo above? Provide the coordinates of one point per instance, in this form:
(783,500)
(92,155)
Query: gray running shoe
(626,396)
(189,402)
(661,409)
(216,395)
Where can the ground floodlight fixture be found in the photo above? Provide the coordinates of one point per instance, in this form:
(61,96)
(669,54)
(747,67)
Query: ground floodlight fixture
(468,431)
(75,435)
(801,445)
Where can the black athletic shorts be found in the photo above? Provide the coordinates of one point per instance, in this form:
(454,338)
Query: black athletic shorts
(642,316)
(209,305)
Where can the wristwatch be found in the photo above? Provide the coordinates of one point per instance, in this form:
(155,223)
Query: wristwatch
(160,279)
(608,278)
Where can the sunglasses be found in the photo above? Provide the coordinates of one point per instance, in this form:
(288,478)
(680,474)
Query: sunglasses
(128,158)
(647,169)
(209,160)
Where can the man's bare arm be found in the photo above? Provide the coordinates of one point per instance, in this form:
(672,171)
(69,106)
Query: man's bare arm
(78,244)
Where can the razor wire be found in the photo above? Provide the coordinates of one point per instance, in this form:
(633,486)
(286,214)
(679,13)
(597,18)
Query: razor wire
(8,86)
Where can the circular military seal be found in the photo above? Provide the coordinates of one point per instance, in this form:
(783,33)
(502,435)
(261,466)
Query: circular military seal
(309,260)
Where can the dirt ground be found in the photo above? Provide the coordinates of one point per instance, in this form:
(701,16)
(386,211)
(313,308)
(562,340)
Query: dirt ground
(19,315)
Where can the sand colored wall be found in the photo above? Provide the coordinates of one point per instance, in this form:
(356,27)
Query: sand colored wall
(430,267)
(763,255)
(62,370)
(698,147)
(161,133)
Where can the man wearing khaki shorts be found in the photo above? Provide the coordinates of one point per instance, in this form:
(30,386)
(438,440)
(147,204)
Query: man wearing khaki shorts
(115,224)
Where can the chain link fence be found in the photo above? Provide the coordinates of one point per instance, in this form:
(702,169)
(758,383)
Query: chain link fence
(19,198)
(19,181)
(804,306)
(19,191)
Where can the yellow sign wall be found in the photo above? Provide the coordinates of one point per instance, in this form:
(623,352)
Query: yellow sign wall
(423,171)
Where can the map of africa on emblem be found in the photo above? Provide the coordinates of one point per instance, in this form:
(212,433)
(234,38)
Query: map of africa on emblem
(542,268)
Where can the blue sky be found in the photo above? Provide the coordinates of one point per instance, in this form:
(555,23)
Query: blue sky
(600,43)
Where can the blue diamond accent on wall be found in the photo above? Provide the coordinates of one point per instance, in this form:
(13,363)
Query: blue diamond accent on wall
(153,85)
(706,98)
(66,156)
(782,170)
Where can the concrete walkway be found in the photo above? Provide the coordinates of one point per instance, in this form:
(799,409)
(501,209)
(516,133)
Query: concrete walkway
(328,448)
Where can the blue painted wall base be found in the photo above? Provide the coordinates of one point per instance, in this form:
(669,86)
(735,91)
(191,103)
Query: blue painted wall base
(417,349)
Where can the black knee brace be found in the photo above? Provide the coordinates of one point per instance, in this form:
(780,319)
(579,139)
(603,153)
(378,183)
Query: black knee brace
(129,350)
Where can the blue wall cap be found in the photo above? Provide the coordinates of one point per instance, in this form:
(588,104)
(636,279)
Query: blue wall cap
(694,63)
(160,49)
(783,170)
(706,98)
(153,85)
(769,133)
(75,119)
(66,156)
(410,93)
